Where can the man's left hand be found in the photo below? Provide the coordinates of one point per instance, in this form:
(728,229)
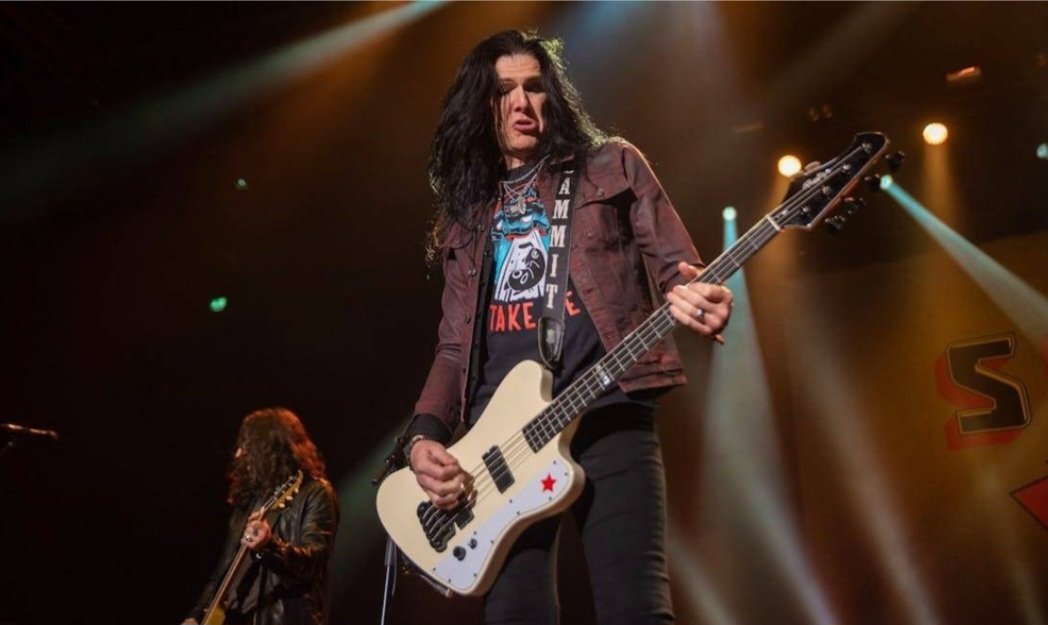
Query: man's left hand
(703,308)
(257,534)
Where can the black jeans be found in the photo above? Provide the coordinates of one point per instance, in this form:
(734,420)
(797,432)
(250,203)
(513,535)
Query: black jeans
(621,519)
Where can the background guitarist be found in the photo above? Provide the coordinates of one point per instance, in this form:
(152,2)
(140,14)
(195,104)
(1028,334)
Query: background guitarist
(286,574)
(509,120)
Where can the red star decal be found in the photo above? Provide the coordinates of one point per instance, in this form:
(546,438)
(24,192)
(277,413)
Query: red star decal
(547,484)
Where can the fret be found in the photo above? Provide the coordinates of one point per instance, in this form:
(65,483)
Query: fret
(601,372)
(806,204)
(603,375)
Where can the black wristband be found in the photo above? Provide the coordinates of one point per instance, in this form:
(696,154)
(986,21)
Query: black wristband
(429,427)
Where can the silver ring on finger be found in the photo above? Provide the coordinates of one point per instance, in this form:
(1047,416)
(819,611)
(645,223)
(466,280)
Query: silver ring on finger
(701,315)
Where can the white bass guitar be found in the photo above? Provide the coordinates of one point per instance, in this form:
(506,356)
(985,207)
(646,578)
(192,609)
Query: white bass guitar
(518,452)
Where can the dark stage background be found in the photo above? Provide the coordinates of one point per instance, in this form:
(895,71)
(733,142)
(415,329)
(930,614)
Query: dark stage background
(126,128)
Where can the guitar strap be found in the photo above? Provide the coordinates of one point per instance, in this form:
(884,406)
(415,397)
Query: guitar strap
(551,324)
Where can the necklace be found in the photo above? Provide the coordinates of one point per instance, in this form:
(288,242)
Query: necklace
(514,192)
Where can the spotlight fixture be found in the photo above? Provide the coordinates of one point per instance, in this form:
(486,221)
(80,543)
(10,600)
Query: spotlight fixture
(935,133)
(1042,151)
(729,213)
(789,165)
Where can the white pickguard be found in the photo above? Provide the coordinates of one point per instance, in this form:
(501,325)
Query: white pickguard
(479,544)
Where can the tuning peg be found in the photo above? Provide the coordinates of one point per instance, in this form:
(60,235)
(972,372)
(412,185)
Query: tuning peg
(895,160)
(835,223)
(873,181)
(852,204)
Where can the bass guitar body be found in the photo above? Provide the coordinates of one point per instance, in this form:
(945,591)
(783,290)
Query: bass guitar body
(514,486)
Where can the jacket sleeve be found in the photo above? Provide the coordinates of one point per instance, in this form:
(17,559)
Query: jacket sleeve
(236,526)
(302,558)
(441,395)
(660,233)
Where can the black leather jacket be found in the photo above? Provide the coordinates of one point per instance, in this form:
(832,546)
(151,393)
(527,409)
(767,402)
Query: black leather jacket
(293,569)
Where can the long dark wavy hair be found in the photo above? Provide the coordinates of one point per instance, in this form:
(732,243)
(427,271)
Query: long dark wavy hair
(272,444)
(465,162)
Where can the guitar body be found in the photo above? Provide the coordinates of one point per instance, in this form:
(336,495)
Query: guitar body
(214,616)
(544,483)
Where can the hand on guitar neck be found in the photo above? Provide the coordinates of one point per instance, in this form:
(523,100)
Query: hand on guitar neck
(439,474)
(257,532)
(701,307)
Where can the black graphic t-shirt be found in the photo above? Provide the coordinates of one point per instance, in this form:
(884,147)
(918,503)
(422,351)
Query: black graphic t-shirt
(520,237)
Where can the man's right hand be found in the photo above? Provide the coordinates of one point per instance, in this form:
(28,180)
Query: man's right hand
(439,474)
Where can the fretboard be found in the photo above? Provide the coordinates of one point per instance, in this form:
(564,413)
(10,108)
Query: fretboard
(600,377)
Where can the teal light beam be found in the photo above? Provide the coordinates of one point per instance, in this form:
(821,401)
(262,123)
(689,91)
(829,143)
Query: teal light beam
(741,425)
(1021,303)
(359,530)
(1028,310)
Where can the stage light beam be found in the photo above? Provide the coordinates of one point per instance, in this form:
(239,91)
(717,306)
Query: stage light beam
(359,530)
(745,451)
(1020,302)
(153,126)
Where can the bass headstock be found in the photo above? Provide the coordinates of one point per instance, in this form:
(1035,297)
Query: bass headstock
(820,189)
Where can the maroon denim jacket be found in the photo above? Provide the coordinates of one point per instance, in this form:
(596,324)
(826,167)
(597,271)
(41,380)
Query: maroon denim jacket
(625,229)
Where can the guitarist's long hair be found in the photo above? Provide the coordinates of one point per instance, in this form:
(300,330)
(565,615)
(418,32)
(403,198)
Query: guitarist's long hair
(465,164)
(272,444)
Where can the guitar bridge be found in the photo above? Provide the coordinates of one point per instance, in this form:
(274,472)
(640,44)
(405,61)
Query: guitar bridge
(439,525)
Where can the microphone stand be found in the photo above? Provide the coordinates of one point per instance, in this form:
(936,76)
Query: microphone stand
(389,586)
(392,462)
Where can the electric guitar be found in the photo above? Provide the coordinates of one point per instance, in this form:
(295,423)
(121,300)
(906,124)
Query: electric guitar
(518,452)
(216,610)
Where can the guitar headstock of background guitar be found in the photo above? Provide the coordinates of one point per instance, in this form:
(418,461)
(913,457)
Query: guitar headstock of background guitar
(822,188)
(284,493)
